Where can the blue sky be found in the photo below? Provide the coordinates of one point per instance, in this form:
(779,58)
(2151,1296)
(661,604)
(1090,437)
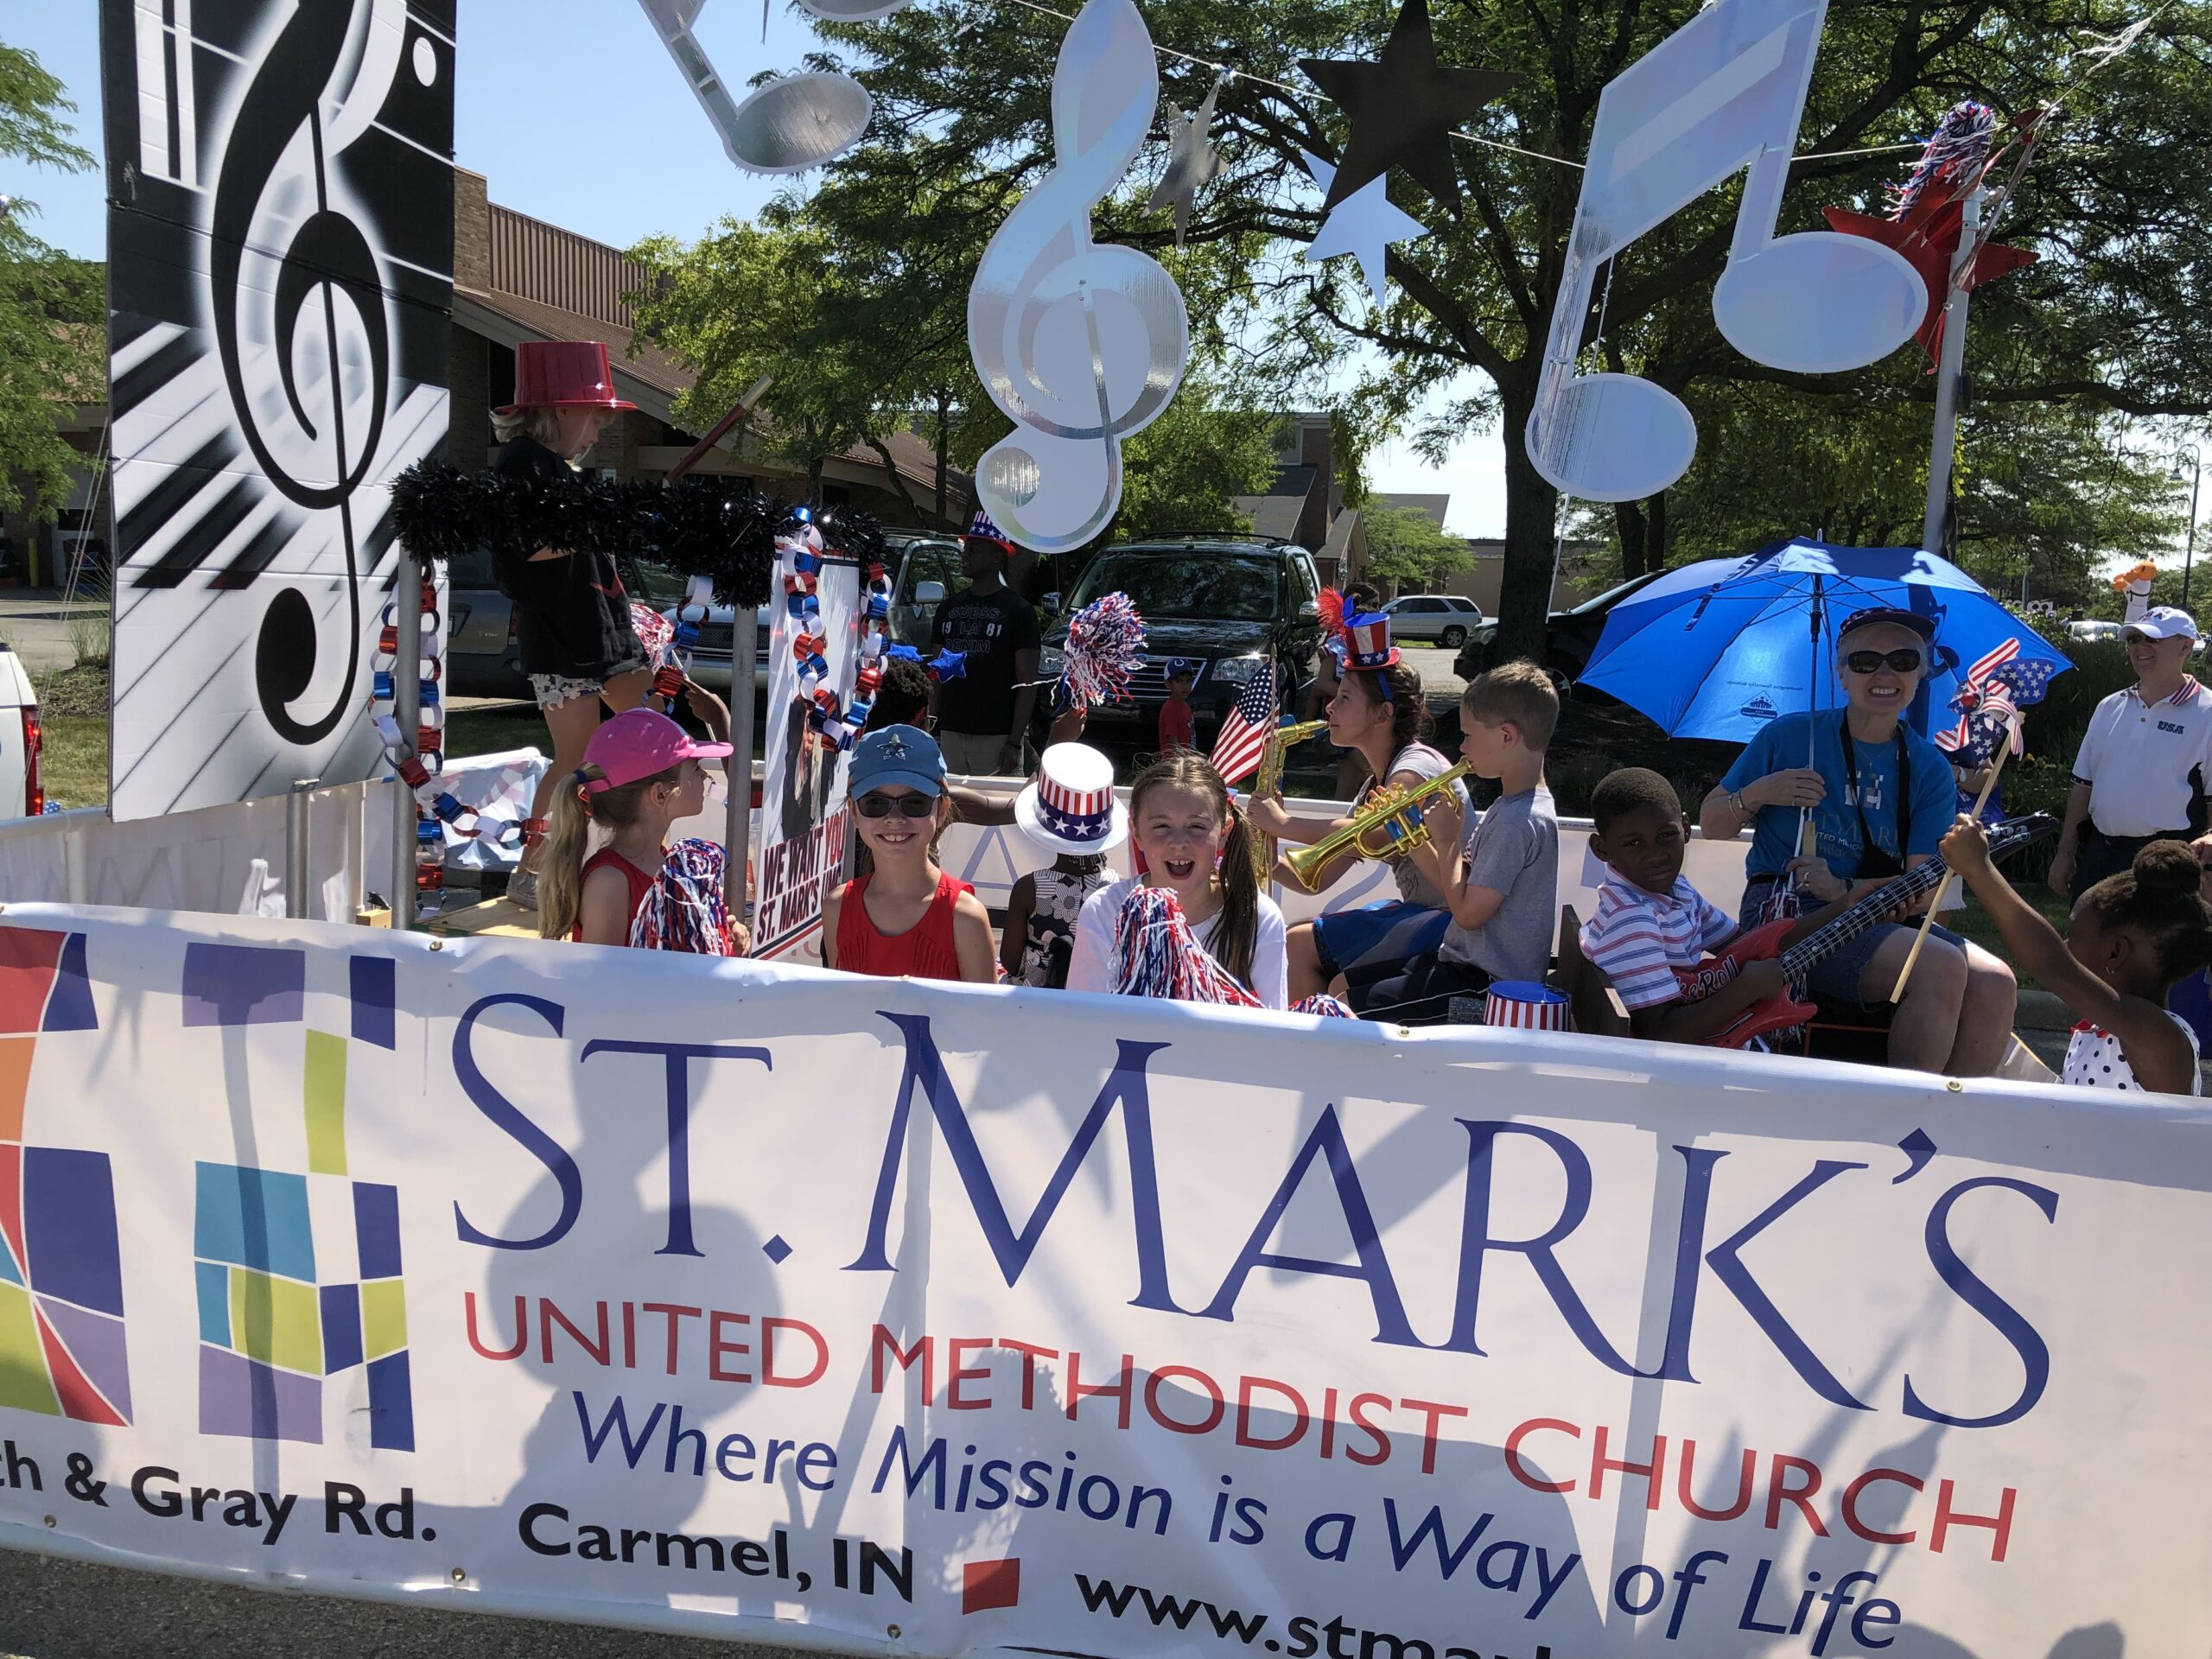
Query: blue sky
(573,111)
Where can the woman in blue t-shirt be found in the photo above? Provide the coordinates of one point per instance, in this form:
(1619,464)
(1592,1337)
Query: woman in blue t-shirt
(1881,798)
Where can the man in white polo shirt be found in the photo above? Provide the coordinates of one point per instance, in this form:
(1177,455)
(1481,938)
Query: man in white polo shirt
(2145,762)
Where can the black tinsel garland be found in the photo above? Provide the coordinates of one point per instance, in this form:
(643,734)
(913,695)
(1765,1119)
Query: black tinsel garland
(696,528)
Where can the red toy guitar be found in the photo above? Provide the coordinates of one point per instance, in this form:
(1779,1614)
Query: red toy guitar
(1785,1012)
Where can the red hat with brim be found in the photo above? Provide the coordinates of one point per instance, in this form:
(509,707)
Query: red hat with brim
(563,374)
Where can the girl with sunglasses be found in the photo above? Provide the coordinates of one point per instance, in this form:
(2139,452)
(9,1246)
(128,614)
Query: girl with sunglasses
(1881,798)
(903,916)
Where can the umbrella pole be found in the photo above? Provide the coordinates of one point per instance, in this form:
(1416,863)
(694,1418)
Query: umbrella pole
(1944,887)
(1808,843)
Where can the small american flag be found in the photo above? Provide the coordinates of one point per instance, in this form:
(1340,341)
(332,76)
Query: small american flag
(1990,704)
(1244,735)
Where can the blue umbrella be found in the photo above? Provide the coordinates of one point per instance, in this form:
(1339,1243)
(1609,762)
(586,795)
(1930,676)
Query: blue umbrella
(1719,648)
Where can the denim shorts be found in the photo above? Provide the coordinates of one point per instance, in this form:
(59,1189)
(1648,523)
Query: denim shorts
(1836,975)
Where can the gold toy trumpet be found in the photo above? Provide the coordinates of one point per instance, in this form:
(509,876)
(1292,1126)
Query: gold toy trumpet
(1393,823)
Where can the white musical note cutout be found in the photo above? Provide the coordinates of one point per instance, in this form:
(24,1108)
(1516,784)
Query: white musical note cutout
(1081,344)
(1724,91)
(788,126)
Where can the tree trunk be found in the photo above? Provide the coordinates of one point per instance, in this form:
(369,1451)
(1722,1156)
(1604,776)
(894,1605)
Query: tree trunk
(814,482)
(944,438)
(1629,524)
(1531,508)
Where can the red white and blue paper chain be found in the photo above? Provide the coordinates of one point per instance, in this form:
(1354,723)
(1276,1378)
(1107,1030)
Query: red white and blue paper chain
(835,723)
(672,656)
(418,762)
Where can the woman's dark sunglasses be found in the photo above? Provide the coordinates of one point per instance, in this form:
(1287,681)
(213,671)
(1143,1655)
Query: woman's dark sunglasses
(882,806)
(1905,661)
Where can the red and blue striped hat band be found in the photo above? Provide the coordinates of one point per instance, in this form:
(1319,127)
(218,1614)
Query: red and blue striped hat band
(1070,806)
(1367,642)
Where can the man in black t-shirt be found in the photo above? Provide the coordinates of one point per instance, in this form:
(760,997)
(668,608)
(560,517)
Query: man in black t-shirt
(982,714)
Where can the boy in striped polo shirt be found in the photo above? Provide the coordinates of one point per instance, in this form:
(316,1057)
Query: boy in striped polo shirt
(1651,922)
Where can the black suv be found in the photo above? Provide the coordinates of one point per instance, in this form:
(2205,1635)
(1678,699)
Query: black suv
(1228,603)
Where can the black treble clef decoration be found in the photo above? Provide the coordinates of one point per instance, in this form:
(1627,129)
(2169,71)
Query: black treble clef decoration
(322,252)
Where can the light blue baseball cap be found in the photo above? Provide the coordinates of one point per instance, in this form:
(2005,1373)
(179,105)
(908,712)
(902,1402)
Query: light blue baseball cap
(896,755)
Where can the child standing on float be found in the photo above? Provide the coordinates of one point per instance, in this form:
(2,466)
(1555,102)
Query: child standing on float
(572,618)
(903,915)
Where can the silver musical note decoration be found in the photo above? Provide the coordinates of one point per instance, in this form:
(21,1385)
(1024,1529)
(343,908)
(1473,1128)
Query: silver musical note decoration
(280,245)
(1081,344)
(793,123)
(1723,91)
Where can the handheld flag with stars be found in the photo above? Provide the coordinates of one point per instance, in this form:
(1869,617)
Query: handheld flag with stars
(1244,735)
(1997,689)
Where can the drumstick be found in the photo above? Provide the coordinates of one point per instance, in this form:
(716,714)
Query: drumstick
(1944,886)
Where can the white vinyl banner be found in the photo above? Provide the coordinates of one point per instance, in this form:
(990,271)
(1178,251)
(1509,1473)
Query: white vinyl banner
(755,1301)
(802,848)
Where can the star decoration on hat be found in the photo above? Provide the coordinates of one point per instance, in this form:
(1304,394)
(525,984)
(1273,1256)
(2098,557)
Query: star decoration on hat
(1363,228)
(1928,235)
(895,747)
(1191,160)
(1403,107)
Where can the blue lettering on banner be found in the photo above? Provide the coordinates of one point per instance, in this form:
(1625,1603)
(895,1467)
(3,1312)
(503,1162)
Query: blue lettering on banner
(1124,1085)
(1325,1147)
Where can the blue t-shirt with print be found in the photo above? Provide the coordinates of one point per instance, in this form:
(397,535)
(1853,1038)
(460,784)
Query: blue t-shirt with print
(1782,745)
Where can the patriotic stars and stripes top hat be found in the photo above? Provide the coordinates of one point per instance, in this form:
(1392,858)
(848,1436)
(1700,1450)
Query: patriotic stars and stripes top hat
(1070,805)
(1362,639)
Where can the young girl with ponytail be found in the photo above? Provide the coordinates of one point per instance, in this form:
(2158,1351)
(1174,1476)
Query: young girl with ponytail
(640,774)
(2131,938)
(1197,845)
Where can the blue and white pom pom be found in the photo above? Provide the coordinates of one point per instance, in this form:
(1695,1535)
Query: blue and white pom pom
(1105,647)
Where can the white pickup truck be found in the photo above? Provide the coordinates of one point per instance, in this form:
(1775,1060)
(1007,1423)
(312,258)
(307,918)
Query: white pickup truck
(23,794)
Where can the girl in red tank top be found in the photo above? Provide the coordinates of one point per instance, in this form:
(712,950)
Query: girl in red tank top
(903,916)
(641,774)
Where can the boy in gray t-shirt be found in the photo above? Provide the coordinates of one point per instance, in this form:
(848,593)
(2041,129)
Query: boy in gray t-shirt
(1502,885)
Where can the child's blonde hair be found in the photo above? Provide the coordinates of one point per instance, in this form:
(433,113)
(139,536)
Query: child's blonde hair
(1236,933)
(568,834)
(1516,693)
(541,425)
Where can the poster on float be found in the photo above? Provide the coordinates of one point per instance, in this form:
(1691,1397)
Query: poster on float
(803,814)
(280,260)
(746,1300)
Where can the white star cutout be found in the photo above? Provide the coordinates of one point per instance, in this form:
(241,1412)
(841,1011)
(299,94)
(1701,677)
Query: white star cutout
(1362,224)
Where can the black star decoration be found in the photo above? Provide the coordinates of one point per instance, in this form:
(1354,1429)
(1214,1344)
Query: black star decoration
(1402,108)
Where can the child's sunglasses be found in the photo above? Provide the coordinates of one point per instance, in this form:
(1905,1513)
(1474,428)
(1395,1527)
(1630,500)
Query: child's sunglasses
(1904,661)
(882,806)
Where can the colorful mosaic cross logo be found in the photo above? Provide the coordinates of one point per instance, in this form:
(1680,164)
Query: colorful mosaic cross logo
(61,1346)
(298,1275)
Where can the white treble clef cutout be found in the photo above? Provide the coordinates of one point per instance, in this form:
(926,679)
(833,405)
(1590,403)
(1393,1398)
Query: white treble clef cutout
(1724,91)
(1081,344)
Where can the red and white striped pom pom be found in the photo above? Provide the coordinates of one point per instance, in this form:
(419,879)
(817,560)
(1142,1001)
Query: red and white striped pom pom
(683,909)
(1104,648)
(1155,954)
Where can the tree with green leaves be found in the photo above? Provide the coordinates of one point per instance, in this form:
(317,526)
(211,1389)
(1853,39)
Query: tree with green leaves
(1183,471)
(1409,550)
(2110,319)
(53,307)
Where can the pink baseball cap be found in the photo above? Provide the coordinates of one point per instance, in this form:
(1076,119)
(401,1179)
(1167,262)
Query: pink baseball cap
(638,743)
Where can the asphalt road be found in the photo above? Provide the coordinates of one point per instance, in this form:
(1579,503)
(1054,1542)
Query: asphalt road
(34,624)
(65,1610)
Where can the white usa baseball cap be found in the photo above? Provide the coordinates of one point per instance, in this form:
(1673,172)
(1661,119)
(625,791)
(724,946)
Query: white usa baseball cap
(2162,622)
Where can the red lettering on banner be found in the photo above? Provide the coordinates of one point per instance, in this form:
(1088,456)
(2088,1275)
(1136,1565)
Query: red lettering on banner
(956,1373)
(1780,1491)
(1744,1471)
(1300,1419)
(1947,1518)
(1430,1412)
(1216,1404)
(1654,1472)
(1874,1534)
(1030,1356)
(1521,1471)
(925,1348)
(521,1330)
(1121,1389)
(675,1316)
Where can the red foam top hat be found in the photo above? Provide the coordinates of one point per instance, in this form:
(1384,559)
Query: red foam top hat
(563,374)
